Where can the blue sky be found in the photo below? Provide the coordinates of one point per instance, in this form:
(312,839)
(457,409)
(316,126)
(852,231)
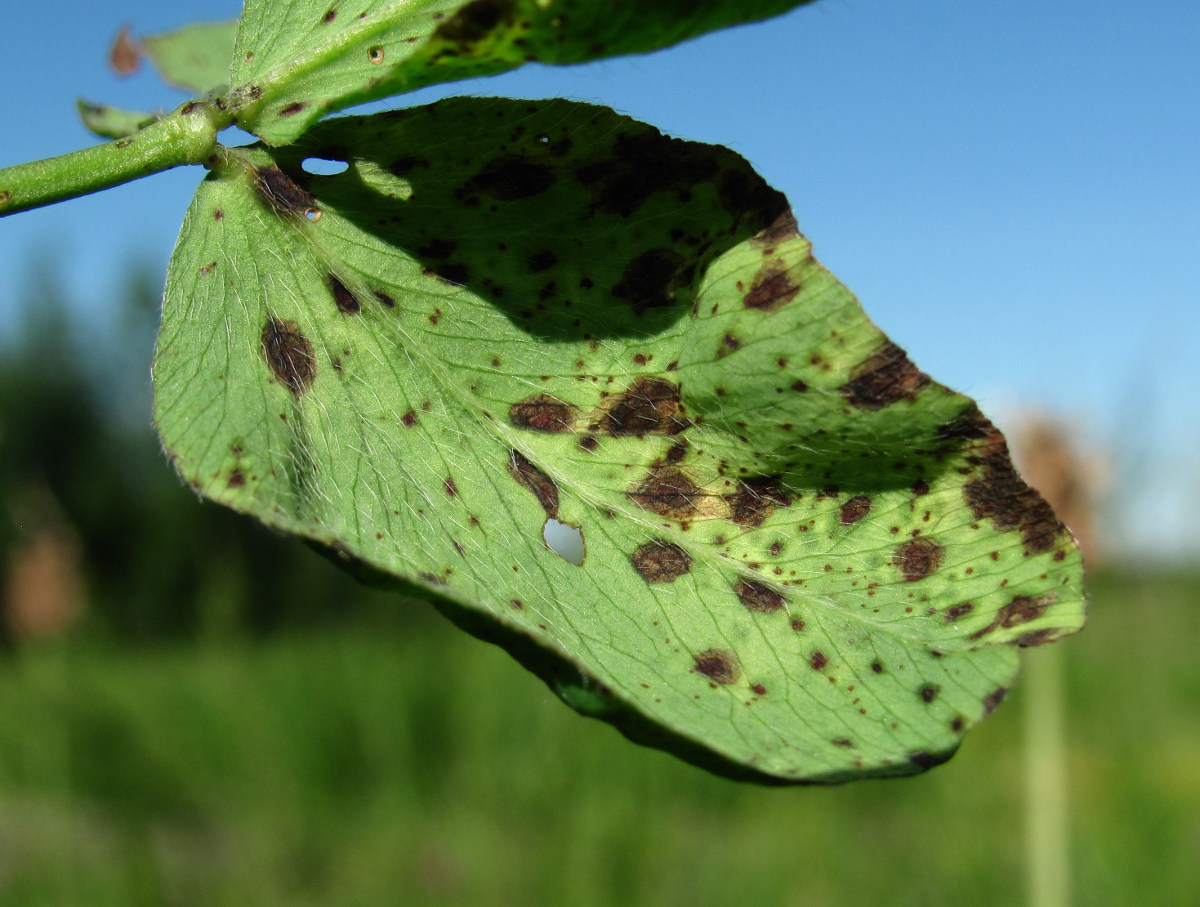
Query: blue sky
(1012,190)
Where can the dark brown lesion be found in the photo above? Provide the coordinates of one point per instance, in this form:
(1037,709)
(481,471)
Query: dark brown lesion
(532,478)
(759,597)
(997,492)
(668,491)
(542,412)
(289,355)
(651,280)
(1002,496)
(281,193)
(650,406)
(659,561)
(347,303)
(885,377)
(756,500)
(918,558)
(1022,609)
(855,509)
(719,665)
(773,287)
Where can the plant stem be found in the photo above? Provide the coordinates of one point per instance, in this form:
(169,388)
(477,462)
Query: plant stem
(187,136)
(1047,834)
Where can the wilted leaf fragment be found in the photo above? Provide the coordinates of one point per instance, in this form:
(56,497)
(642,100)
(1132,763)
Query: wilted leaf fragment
(797,569)
(112,122)
(195,57)
(289,70)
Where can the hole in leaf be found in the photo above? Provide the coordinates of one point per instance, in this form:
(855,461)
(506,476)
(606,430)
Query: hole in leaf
(564,540)
(312,213)
(320,166)
(375,54)
(543,138)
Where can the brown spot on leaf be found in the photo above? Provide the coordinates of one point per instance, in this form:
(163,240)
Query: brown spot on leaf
(783,228)
(541,261)
(993,699)
(754,501)
(535,480)
(648,406)
(289,354)
(957,611)
(649,280)
(928,693)
(659,561)
(885,377)
(719,665)
(642,164)
(1021,610)
(757,597)
(437,248)
(346,301)
(1001,495)
(773,286)
(855,509)
(667,491)
(509,178)
(451,488)
(473,22)
(918,559)
(292,109)
(281,193)
(409,418)
(541,412)
(759,689)
(406,164)
(817,661)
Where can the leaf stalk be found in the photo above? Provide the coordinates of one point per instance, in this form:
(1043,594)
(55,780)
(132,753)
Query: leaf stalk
(188,135)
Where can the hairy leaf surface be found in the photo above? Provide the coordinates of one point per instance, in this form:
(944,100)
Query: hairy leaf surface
(804,559)
(296,60)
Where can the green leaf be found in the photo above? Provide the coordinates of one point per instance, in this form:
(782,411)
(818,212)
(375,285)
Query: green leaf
(804,560)
(195,57)
(112,122)
(298,60)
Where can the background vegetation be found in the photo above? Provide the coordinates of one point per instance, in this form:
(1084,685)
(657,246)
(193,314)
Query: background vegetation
(195,711)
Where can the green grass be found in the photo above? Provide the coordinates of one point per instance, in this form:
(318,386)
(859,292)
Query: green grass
(401,762)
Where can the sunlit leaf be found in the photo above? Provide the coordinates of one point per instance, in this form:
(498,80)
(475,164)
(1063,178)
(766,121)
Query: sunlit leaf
(803,560)
(195,57)
(112,122)
(299,59)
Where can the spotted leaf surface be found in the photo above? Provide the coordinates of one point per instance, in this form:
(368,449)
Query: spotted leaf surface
(804,560)
(296,60)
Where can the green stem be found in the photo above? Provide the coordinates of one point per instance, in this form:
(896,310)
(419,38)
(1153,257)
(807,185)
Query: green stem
(1047,832)
(187,136)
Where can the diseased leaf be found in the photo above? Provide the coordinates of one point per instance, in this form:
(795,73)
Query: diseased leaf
(804,559)
(112,122)
(300,59)
(195,57)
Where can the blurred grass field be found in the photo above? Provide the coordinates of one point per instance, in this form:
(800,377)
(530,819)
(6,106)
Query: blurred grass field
(394,760)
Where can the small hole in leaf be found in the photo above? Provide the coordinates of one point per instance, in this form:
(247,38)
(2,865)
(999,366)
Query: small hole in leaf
(543,138)
(312,213)
(564,540)
(375,54)
(321,166)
